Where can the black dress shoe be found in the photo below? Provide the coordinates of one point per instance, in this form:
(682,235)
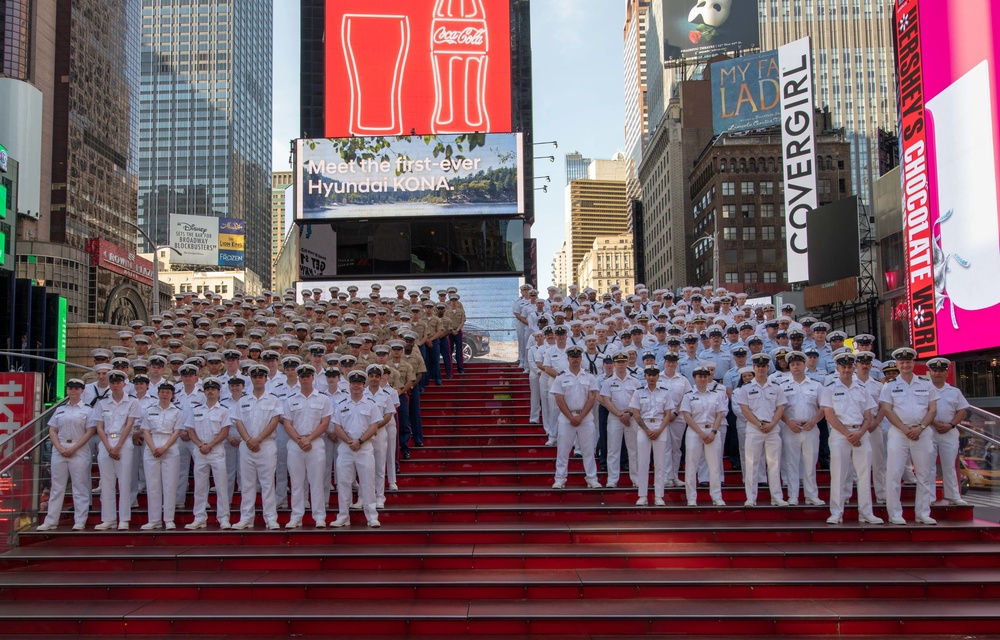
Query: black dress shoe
(702,484)
(418,444)
(406,455)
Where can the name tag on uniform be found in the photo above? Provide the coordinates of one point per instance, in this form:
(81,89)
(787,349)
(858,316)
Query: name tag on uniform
(345,410)
(838,394)
(753,393)
(921,392)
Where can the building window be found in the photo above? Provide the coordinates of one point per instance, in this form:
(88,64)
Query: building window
(729,211)
(749,233)
(767,233)
(749,211)
(732,278)
(750,276)
(824,187)
(729,188)
(729,233)
(746,188)
(767,210)
(770,276)
(767,187)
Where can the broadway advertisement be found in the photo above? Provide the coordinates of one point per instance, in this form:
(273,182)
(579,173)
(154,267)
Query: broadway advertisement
(704,28)
(406,176)
(947,84)
(745,93)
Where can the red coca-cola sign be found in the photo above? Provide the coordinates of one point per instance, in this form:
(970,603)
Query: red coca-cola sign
(396,67)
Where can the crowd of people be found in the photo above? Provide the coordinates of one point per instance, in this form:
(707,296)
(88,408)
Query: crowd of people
(630,380)
(284,394)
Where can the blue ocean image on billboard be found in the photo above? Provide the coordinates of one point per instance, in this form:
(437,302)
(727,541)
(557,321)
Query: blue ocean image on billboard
(468,174)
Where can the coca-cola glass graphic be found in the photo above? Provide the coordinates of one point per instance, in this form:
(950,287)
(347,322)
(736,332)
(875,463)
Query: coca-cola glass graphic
(375,73)
(460,57)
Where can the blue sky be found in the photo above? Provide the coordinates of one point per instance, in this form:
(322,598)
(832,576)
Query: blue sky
(577,87)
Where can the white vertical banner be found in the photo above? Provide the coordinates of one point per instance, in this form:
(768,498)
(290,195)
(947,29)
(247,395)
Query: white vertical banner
(798,150)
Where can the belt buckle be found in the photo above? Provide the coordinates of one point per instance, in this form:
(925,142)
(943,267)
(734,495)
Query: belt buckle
(69,442)
(112,435)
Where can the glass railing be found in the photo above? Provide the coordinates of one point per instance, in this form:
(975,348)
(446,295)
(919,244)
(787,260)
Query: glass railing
(979,458)
(24,478)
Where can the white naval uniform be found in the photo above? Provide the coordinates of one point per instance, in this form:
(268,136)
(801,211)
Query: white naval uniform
(257,468)
(910,402)
(279,386)
(619,392)
(392,438)
(138,463)
(305,414)
(232,452)
(70,423)
(384,400)
(534,373)
(555,357)
(703,409)
(575,390)
(763,402)
(161,473)
(678,386)
(332,444)
(849,404)
(112,416)
(207,422)
(877,440)
(950,402)
(800,451)
(355,418)
(185,401)
(652,405)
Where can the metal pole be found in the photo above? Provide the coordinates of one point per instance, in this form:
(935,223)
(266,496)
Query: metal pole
(156,280)
(21,354)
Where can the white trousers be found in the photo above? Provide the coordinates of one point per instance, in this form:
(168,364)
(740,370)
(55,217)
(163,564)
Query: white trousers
(281,469)
(329,466)
(381,442)
(799,455)
(703,473)
(946,448)
(696,450)
(675,430)
(657,450)
(767,446)
(877,440)
(741,436)
(616,430)
(185,451)
(843,457)
(391,439)
(76,470)
(257,470)
(213,463)
(138,471)
(113,471)
(303,467)
(536,403)
(900,450)
(550,412)
(232,468)
(585,439)
(161,479)
(360,464)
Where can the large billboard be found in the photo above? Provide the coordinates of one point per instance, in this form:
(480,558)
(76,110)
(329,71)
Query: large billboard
(798,146)
(409,176)
(947,83)
(745,93)
(420,67)
(704,28)
(206,240)
(834,242)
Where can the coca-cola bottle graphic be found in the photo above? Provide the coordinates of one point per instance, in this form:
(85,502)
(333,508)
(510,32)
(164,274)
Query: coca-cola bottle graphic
(459,56)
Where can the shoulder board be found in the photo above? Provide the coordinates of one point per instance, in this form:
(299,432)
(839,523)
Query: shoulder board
(132,395)
(275,395)
(223,404)
(195,403)
(830,383)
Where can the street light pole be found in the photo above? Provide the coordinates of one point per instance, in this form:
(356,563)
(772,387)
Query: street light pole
(156,265)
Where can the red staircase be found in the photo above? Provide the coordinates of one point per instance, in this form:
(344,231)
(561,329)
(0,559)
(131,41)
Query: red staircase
(476,543)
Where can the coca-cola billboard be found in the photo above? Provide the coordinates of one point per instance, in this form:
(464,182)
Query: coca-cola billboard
(424,67)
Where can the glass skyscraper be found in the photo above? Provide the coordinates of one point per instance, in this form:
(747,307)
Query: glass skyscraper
(205,118)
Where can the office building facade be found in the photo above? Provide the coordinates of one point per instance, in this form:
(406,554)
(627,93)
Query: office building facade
(608,263)
(597,206)
(280,181)
(205,137)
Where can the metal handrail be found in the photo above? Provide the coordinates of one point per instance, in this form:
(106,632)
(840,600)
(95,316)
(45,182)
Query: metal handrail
(18,456)
(979,434)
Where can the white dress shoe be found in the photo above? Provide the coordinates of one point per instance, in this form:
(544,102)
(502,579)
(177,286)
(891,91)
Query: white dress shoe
(123,526)
(816,502)
(79,526)
(692,503)
(106,526)
(611,485)
(959,502)
(641,502)
(243,524)
(341,522)
(197,524)
(779,502)
(374,524)
(558,485)
(927,520)
(273,526)
(380,504)
(320,524)
(835,519)
(872,519)
(750,503)
(719,503)
(659,502)
(46,527)
(169,526)
(358,504)
(149,526)
(293,524)
(393,487)
(225,526)
(897,521)
(594,485)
